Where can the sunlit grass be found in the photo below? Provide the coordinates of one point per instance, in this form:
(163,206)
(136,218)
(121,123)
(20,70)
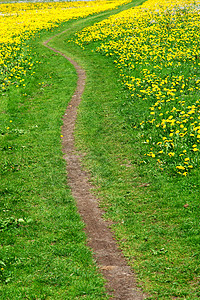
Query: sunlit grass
(43,251)
(155,216)
(156,49)
(152,198)
(21,21)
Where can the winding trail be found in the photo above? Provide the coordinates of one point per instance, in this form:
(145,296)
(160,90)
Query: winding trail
(121,282)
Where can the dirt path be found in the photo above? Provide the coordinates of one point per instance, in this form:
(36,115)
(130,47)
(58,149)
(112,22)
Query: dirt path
(121,282)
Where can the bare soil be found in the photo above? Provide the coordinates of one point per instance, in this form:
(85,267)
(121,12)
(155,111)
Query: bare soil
(121,282)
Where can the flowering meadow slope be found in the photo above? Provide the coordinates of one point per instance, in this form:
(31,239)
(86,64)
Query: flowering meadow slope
(20,21)
(156,48)
(149,179)
(43,252)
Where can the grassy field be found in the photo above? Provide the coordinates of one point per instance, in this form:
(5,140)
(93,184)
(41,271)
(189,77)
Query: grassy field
(155,211)
(43,252)
(155,214)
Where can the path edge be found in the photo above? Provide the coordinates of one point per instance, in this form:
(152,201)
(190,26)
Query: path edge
(121,281)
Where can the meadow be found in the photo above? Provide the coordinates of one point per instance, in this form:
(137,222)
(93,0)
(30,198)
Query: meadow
(142,96)
(43,253)
(20,21)
(156,49)
(149,184)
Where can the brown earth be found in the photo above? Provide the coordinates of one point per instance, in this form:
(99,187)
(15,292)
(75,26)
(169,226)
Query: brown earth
(121,282)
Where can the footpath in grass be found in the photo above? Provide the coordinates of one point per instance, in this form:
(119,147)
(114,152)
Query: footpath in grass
(155,214)
(155,217)
(43,253)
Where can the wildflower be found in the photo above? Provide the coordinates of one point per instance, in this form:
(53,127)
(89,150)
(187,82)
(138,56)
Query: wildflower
(171,154)
(180,167)
(153,85)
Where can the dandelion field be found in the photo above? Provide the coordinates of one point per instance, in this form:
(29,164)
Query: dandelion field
(43,253)
(154,124)
(142,95)
(21,21)
(156,49)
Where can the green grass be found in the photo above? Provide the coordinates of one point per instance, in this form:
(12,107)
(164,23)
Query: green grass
(43,253)
(159,235)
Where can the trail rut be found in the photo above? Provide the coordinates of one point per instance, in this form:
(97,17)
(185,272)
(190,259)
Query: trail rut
(121,282)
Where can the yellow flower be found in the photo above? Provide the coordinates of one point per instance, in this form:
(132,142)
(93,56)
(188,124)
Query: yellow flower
(171,154)
(180,167)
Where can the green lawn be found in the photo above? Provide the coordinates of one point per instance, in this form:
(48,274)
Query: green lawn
(43,253)
(155,215)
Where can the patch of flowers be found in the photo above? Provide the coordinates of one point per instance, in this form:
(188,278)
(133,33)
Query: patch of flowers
(20,21)
(156,48)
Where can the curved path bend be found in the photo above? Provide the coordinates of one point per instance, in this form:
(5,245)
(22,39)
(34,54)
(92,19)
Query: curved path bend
(121,282)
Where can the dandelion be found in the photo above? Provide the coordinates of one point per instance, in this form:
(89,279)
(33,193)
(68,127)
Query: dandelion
(20,21)
(149,57)
(171,154)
